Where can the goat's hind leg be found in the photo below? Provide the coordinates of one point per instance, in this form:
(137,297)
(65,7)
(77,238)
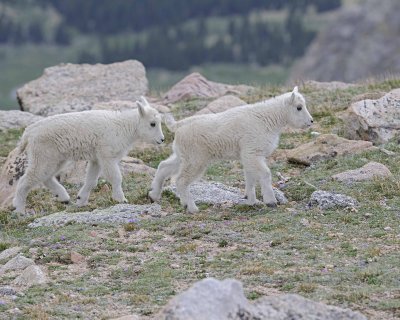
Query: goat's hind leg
(165,170)
(92,176)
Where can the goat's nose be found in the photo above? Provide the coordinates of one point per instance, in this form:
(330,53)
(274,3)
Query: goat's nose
(312,121)
(162,139)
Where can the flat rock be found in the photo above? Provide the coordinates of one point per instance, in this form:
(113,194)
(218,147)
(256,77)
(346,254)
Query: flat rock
(118,214)
(9,253)
(17,263)
(326,146)
(30,276)
(328,200)
(222,104)
(197,86)
(77,87)
(222,300)
(374,120)
(367,172)
(15,119)
(218,193)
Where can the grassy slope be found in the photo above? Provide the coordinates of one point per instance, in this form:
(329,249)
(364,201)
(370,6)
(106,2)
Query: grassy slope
(341,257)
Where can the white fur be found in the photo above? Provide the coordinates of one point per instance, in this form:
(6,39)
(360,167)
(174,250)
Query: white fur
(248,133)
(99,136)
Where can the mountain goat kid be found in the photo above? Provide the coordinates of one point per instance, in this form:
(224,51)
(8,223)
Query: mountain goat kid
(102,137)
(249,133)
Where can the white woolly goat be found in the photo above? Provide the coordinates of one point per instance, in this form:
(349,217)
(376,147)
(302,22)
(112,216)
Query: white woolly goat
(249,133)
(101,137)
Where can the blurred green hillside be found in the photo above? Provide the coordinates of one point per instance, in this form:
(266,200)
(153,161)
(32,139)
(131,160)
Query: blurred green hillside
(232,41)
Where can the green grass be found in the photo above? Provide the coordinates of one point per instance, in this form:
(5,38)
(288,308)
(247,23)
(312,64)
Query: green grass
(347,258)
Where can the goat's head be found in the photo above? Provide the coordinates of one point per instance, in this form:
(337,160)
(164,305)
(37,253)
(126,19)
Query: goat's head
(299,117)
(150,123)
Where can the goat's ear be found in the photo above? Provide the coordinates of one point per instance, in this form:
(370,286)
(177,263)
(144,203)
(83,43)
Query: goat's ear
(292,97)
(141,107)
(144,101)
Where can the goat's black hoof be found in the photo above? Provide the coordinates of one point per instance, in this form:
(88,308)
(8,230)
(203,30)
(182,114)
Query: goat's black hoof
(272,205)
(78,197)
(245,197)
(65,202)
(150,198)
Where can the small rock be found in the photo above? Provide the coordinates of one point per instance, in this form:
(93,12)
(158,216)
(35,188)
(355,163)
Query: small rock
(17,263)
(7,291)
(30,276)
(328,200)
(387,228)
(9,253)
(77,258)
(368,172)
(304,222)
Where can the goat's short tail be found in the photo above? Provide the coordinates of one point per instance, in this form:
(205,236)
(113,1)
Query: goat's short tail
(170,122)
(23,143)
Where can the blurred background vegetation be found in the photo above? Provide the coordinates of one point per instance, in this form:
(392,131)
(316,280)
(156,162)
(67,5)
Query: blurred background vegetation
(232,41)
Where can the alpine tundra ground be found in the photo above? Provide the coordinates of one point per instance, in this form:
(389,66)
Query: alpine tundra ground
(347,258)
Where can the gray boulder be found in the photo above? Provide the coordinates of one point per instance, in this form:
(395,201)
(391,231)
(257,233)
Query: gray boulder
(360,42)
(17,263)
(9,253)
(210,299)
(328,200)
(77,87)
(32,275)
(374,120)
(222,104)
(196,86)
(15,119)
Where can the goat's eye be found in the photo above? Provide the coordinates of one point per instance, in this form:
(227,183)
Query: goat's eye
(299,108)
(153,124)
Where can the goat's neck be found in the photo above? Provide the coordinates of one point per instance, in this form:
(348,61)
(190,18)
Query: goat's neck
(129,122)
(273,115)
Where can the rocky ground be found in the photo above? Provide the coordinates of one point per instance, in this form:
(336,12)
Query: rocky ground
(333,240)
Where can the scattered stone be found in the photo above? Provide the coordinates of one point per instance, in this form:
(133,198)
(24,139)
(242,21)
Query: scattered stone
(77,257)
(196,86)
(118,214)
(326,146)
(218,193)
(9,253)
(328,200)
(367,172)
(17,263)
(387,228)
(374,120)
(7,291)
(30,276)
(222,300)
(15,119)
(129,317)
(304,222)
(120,105)
(77,87)
(222,104)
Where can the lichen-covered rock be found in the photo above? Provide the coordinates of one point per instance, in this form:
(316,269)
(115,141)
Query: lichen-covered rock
(9,253)
(77,87)
(374,120)
(329,200)
(196,86)
(367,172)
(326,146)
(222,104)
(15,119)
